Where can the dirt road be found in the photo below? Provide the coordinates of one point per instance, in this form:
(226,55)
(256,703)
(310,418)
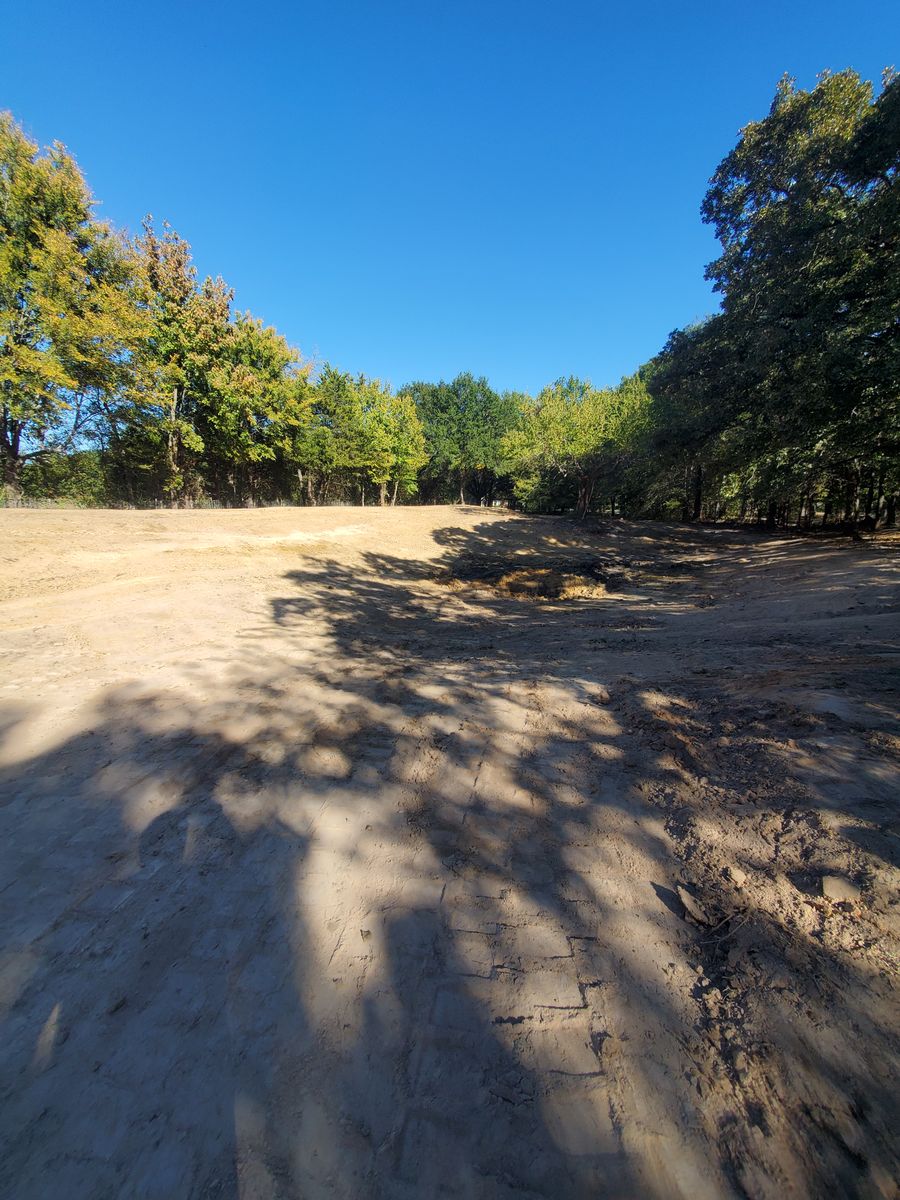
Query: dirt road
(329,869)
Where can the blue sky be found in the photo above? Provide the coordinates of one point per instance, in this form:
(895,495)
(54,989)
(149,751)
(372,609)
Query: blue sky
(412,189)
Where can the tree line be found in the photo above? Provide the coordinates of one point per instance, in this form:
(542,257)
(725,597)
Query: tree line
(126,379)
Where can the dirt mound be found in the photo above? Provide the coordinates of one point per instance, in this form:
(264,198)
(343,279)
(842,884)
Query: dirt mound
(554,580)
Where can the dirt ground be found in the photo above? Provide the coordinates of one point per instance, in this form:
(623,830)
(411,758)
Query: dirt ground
(335,865)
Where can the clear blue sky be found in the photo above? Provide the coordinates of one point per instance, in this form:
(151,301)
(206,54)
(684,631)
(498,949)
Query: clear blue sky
(412,188)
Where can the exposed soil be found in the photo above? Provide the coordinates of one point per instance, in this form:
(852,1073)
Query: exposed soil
(444,852)
(564,580)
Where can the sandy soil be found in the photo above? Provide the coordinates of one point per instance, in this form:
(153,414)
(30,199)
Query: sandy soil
(330,870)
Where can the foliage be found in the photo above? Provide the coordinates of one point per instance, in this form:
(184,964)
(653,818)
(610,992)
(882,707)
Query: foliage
(464,423)
(793,389)
(69,317)
(125,378)
(79,478)
(256,402)
(574,432)
(360,434)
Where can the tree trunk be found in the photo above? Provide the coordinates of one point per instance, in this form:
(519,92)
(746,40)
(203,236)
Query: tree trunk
(585,493)
(394,492)
(10,444)
(890,511)
(172,454)
(854,519)
(171,447)
(879,500)
(697,505)
(870,496)
(685,505)
(382,494)
(12,469)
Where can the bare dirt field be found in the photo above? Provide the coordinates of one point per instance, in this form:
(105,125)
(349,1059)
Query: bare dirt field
(342,858)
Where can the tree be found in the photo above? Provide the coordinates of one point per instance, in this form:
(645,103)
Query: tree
(70,316)
(190,335)
(699,388)
(464,423)
(788,397)
(807,209)
(124,376)
(360,433)
(396,440)
(253,409)
(573,431)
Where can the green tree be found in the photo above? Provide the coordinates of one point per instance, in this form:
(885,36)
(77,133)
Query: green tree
(333,450)
(255,406)
(70,314)
(698,391)
(574,432)
(807,209)
(787,399)
(191,327)
(396,440)
(464,423)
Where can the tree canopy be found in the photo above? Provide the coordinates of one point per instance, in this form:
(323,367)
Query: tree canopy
(125,378)
(787,400)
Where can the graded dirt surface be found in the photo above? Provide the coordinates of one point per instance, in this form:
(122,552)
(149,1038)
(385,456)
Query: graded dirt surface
(333,866)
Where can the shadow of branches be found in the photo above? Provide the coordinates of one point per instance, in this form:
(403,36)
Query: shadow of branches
(386,903)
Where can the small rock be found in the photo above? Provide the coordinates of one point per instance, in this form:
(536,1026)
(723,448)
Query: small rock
(839,889)
(741,1066)
(735,954)
(737,876)
(692,906)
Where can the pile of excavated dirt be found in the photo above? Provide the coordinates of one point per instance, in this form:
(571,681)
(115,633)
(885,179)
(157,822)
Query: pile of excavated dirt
(534,583)
(330,867)
(557,578)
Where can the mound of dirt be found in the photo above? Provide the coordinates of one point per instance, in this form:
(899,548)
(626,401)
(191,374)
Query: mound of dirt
(546,583)
(554,580)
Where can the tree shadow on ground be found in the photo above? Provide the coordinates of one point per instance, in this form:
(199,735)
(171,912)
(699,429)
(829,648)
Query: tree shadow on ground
(390,912)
